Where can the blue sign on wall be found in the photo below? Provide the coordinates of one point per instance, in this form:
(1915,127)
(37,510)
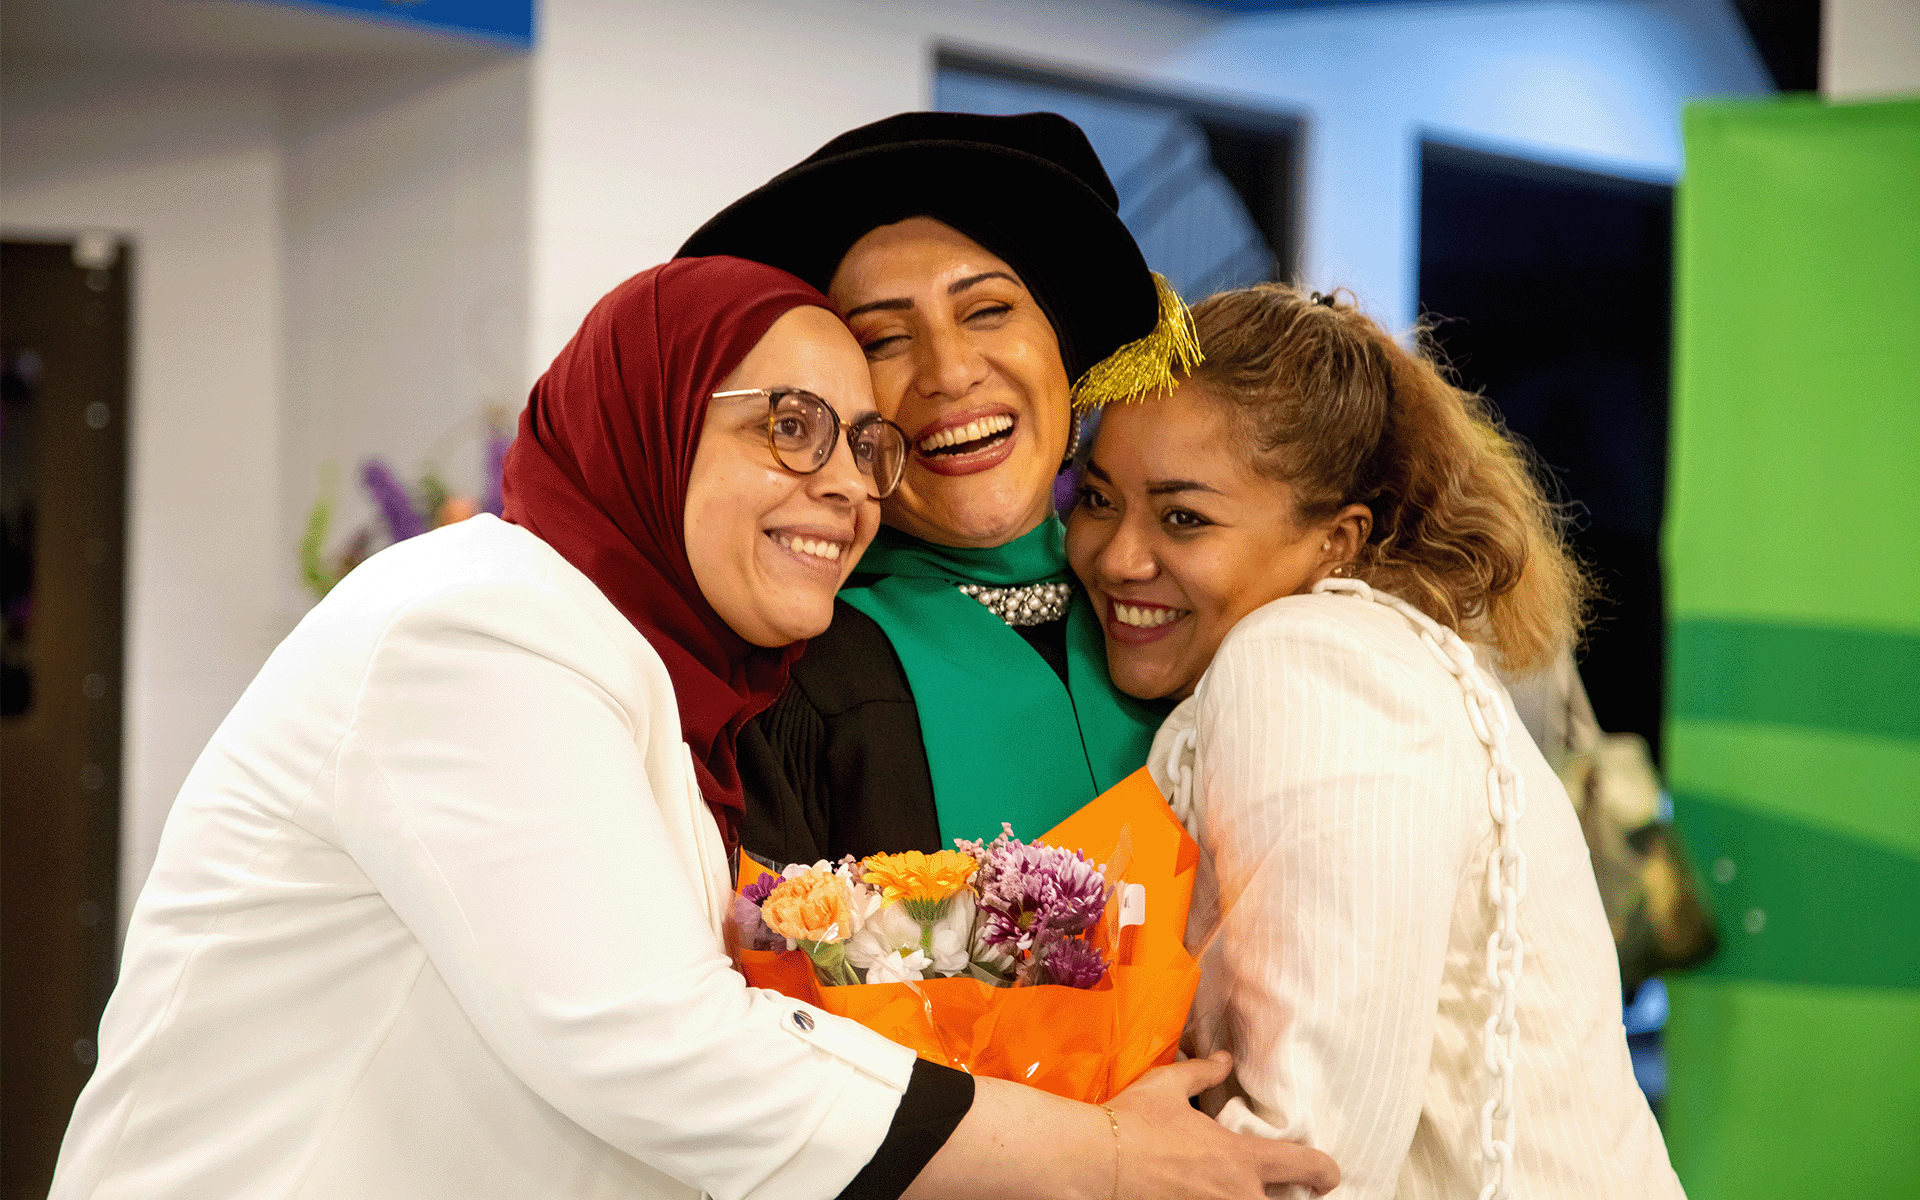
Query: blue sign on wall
(507,22)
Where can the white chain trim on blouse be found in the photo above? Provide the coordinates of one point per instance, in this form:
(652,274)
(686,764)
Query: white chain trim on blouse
(1183,748)
(1506,876)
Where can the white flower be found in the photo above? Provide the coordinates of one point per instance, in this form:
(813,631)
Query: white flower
(898,968)
(951,935)
(886,933)
(863,901)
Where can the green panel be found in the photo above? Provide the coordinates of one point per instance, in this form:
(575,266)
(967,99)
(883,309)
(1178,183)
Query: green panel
(1796,378)
(1793,571)
(1861,787)
(1785,1091)
(1852,680)
(1801,905)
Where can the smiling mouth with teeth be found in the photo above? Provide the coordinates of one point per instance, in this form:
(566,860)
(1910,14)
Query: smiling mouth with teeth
(1146,616)
(965,439)
(829,551)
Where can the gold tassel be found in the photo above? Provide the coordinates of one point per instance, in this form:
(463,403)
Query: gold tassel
(1148,366)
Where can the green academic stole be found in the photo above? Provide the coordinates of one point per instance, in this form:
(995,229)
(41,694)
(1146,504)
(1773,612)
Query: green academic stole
(1005,739)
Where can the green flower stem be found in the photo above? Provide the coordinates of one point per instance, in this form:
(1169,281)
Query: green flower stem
(830,962)
(927,911)
(985,973)
(313,543)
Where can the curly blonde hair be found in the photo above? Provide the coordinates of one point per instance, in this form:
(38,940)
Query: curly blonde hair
(1339,411)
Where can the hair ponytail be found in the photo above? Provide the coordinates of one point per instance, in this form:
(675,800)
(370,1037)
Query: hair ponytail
(1341,412)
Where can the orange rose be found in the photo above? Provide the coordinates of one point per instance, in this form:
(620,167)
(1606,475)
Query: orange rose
(813,907)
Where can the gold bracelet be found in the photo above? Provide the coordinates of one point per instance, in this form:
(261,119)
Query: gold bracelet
(1115,1122)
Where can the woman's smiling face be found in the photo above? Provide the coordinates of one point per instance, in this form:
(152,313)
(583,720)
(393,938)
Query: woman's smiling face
(963,359)
(1176,538)
(769,548)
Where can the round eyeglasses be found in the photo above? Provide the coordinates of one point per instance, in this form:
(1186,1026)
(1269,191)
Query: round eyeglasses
(802,429)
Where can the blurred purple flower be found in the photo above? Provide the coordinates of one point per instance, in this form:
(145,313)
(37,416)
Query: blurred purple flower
(754,934)
(402,521)
(761,888)
(1075,963)
(497,446)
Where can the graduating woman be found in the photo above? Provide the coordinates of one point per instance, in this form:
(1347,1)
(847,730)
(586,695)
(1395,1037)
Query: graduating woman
(439,911)
(982,265)
(1319,547)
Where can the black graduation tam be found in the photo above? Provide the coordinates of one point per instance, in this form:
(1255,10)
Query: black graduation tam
(1029,188)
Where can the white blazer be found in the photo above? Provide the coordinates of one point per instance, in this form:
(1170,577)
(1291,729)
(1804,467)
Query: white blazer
(437,914)
(1327,766)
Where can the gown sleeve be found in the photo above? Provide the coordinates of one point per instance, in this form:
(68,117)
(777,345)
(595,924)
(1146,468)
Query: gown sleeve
(836,765)
(509,785)
(1327,805)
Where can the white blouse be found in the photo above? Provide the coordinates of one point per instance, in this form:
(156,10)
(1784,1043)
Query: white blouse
(438,913)
(1327,766)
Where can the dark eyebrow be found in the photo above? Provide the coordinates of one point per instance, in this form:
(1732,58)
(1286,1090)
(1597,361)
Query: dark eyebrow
(878,306)
(1169,487)
(953,289)
(1166,487)
(961,285)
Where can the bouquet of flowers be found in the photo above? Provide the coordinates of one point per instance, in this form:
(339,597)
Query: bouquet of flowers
(1004,912)
(1042,962)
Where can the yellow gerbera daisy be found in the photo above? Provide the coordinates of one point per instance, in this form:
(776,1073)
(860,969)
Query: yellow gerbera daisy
(919,878)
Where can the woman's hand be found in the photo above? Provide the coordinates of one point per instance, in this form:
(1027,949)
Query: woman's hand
(1018,1142)
(1168,1148)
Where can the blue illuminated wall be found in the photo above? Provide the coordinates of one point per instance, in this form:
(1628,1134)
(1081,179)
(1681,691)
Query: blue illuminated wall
(504,22)
(1592,84)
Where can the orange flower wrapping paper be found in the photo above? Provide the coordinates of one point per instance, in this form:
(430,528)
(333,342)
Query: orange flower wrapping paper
(1084,1044)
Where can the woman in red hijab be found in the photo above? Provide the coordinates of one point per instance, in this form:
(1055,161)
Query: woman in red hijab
(438,912)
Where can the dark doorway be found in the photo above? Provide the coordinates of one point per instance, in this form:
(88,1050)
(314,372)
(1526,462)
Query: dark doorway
(1552,292)
(63,347)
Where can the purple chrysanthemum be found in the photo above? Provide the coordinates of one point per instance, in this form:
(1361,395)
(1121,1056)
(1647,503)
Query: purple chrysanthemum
(761,888)
(1075,963)
(1036,893)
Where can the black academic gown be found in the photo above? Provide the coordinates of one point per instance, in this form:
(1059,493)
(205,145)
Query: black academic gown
(836,765)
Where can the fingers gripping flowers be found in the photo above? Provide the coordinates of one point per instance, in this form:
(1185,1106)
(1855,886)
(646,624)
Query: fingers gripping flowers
(1005,912)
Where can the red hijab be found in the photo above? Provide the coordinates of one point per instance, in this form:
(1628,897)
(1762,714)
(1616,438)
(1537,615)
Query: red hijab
(599,472)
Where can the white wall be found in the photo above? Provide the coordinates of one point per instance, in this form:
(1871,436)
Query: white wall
(187,167)
(650,116)
(329,261)
(1869,49)
(406,226)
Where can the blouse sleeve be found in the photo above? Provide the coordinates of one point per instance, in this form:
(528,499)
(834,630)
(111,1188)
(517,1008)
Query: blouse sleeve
(1339,842)
(505,785)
